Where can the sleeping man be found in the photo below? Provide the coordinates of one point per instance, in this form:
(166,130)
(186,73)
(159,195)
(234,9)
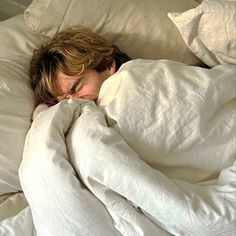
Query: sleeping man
(157,149)
(74,63)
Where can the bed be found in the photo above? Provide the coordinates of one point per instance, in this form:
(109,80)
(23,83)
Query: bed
(156,156)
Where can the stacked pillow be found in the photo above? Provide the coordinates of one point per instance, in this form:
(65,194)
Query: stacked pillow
(141,28)
(209,31)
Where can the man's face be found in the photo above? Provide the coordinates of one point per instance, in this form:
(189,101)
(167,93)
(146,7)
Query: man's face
(86,86)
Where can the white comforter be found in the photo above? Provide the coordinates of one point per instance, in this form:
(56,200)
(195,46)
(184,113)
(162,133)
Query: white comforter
(157,157)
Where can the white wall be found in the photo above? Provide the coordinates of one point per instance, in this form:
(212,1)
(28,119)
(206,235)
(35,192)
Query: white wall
(9,8)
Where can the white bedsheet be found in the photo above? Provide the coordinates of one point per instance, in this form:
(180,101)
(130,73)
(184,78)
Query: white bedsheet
(162,156)
(19,225)
(11,204)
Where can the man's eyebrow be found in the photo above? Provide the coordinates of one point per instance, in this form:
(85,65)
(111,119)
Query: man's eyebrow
(60,93)
(74,85)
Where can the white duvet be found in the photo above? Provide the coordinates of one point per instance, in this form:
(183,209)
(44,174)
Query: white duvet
(156,157)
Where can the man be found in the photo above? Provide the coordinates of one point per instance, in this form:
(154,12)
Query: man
(74,63)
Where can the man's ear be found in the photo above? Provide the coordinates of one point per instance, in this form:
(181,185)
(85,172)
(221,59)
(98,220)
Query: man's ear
(112,68)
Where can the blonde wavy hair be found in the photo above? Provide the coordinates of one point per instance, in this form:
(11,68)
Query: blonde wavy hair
(70,51)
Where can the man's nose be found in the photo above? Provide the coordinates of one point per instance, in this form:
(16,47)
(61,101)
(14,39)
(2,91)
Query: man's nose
(70,96)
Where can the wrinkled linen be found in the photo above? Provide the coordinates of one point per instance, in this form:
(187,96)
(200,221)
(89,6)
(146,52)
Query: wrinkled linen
(11,204)
(157,157)
(18,225)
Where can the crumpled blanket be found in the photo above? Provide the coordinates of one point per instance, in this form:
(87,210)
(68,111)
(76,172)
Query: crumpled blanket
(156,157)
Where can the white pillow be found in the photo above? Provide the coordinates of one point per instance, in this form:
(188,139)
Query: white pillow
(17,104)
(209,30)
(16,97)
(45,16)
(17,38)
(142,28)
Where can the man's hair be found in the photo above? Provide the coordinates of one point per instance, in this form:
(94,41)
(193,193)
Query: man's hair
(70,51)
